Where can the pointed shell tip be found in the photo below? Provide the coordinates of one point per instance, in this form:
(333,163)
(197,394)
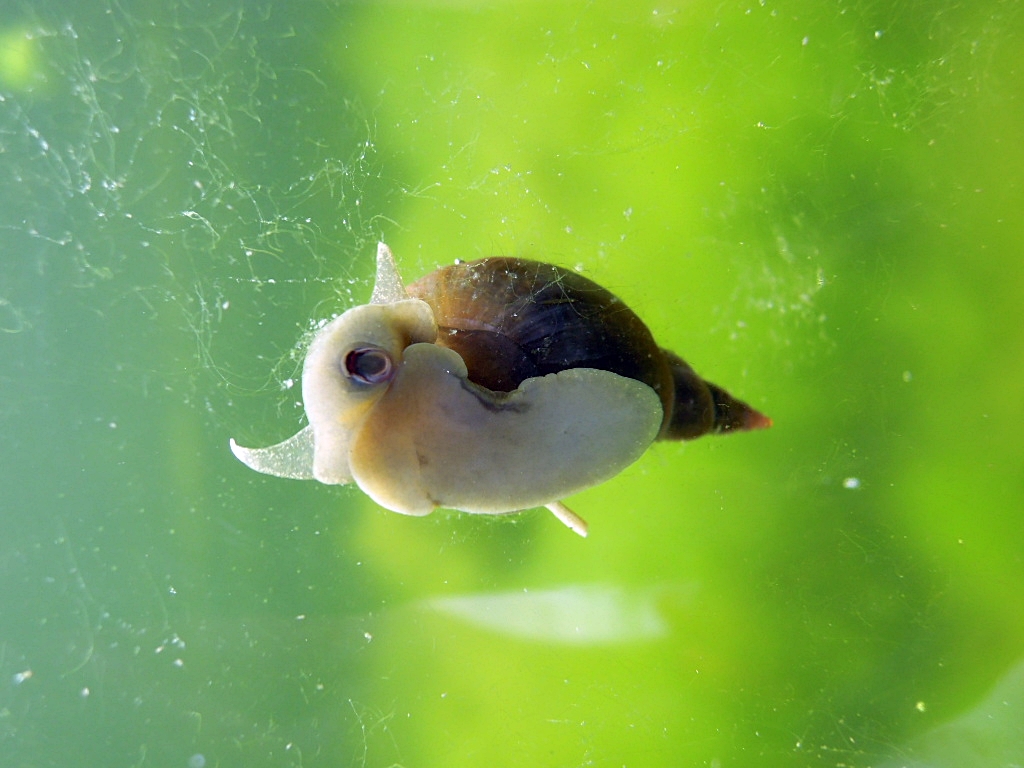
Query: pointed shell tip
(757,420)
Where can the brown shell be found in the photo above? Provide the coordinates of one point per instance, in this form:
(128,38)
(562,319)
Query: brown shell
(514,319)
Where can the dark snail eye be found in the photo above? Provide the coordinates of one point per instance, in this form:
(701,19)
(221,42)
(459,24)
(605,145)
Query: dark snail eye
(368,365)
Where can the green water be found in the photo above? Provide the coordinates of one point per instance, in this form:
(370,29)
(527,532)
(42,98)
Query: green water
(818,205)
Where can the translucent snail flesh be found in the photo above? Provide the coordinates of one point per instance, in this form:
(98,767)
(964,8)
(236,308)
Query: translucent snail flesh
(490,387)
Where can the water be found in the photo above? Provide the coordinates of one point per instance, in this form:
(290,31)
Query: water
(817,207)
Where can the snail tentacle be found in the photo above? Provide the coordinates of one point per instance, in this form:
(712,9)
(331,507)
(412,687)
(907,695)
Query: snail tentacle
(573,522)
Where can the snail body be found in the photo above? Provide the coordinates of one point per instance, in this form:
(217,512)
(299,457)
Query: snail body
(490,387)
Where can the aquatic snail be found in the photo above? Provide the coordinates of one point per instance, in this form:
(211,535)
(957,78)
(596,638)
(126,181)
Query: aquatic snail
(490,386)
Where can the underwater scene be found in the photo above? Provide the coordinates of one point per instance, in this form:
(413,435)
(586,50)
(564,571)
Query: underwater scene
(815,206)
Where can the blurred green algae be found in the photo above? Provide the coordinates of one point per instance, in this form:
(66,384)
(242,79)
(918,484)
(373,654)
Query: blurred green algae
(815,205)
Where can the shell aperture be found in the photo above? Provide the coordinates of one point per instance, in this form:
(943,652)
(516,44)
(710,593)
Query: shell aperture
(489,387)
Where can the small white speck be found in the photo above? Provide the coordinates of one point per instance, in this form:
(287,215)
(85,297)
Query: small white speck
(920,706)
(851,483)
(805,41)
(20,677)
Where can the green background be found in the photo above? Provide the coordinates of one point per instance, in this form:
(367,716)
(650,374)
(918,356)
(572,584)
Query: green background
(817,204)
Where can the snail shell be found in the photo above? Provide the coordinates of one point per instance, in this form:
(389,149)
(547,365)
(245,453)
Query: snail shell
(512,319)
(490,387)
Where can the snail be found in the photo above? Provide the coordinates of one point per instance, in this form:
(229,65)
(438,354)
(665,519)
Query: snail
(490,387)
